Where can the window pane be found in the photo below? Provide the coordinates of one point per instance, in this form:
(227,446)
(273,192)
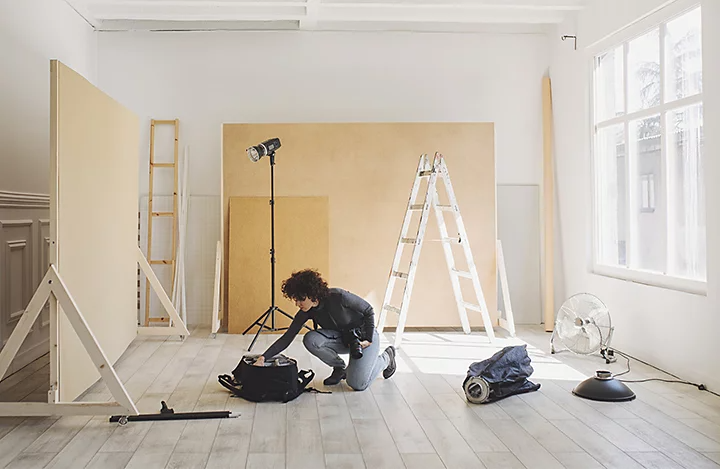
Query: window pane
(683,56)
(687,192)
(609,95)
(648,230)
(647,192)
(644,71)
(610,194)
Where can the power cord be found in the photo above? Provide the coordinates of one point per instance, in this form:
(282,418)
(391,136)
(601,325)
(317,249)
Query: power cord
(677,379)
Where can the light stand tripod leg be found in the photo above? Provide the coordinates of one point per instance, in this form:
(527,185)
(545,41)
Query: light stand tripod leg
(258,322)
(267,314)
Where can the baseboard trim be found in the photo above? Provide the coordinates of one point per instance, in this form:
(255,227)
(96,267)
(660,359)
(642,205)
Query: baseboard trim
(9,199)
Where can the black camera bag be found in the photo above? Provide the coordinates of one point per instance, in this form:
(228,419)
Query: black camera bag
(278,380)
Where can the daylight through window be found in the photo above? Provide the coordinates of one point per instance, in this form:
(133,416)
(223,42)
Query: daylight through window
(648,152)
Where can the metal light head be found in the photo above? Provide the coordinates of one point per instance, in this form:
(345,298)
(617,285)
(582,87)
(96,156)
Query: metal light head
(604,387)
(253,154)
(263,149)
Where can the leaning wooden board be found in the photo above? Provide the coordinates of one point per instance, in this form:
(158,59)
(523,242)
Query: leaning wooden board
(301,241)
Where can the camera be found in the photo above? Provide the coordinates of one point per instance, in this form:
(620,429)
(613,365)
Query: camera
(352,339)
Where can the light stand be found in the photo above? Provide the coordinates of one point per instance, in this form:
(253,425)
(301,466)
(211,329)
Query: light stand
(270,312)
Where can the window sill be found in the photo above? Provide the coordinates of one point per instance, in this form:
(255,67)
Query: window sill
(653,279)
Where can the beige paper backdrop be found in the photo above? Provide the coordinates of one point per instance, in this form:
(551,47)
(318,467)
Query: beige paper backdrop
(301,241)
(96,195)
(366,170)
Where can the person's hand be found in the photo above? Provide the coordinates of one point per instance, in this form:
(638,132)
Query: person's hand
(365,344)
(260,361)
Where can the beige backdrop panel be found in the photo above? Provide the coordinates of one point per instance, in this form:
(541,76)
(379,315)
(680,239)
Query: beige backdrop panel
(366,171)
(96,192)
(301,241)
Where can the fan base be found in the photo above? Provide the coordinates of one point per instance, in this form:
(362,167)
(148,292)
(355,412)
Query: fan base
(603,387)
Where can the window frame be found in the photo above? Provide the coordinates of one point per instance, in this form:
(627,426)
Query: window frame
(657,19)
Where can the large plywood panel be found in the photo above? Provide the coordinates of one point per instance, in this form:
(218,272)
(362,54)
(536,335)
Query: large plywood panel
(301,241)
(366,170)
(94,192)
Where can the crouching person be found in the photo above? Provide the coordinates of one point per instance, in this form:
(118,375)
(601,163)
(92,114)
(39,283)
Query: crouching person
(347,326)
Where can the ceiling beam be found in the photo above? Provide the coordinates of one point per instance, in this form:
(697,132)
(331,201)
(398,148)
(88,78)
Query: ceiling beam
(560,5)
(439,14)
(310,13)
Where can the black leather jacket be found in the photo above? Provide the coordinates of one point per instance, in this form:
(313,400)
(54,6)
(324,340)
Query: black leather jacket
(340,311)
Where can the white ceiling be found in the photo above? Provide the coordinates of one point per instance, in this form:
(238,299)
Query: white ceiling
(353,15)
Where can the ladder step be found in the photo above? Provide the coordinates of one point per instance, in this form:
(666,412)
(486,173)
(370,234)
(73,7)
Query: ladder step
(163,165)
(472,307)
(419,207)
(409,240)
(392,308)
(424,174)
(448,240)
(461,273)
(162,261)
(163,214)
(158,319)
(164,122)
(399,274)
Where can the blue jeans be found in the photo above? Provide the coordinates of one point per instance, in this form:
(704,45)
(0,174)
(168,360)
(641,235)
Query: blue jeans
(326,344)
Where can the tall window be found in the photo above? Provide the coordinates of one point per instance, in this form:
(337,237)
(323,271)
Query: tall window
(648,153)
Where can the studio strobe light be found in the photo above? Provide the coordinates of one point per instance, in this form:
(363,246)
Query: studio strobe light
(265,148)
(255,153)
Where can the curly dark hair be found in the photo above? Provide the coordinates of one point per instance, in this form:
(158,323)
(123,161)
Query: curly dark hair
(307,283)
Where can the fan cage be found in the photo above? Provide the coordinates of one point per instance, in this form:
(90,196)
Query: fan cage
(568,311)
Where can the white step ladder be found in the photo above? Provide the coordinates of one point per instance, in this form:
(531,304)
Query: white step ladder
(432,172)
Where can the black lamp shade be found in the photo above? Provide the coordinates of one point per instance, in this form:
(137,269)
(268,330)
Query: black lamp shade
(603,387)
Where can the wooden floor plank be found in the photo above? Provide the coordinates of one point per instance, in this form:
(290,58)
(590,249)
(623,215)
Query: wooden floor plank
(17,440)
(378,447)
(449,445)
(668,445)
(415,420)
(84,446)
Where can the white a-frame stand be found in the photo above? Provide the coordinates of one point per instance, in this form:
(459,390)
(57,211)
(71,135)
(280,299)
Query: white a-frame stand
(432,172)
(177,326)
(52,288)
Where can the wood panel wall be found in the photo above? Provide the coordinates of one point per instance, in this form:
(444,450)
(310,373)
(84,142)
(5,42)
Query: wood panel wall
(301,241)
(366,171)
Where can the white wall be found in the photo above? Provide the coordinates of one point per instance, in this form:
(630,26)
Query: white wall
(31,33)
(673,330)
(205,79)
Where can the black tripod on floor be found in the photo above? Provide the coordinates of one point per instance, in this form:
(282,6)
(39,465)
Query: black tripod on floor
(270,312)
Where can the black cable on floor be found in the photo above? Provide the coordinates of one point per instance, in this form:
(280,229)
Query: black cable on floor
(677,379)
(628,365)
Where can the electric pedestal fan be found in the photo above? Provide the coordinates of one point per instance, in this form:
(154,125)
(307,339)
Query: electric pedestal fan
(584,327)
